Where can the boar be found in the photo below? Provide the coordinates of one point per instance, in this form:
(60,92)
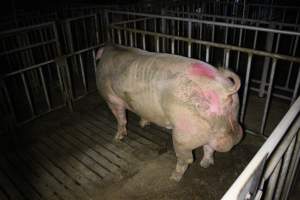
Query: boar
(197,101)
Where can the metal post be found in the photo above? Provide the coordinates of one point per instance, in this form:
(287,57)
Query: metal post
(246,86)
(44,88)
(272,182)
(163,29)
(64,75)
(207,54)
(189,36)
(69,33)
(82,73)
(27,94)
(269,44)
(107,26)
(266,109)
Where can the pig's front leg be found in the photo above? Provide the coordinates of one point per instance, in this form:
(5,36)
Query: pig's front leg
(184,158)
(208,156)
(144,123)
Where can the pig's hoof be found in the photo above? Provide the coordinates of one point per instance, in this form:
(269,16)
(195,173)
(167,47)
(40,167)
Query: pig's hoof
(176,176)
(144,123)
(120,136)
(205,163)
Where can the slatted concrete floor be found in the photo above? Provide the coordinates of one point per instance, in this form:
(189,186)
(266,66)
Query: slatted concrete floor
(75,159)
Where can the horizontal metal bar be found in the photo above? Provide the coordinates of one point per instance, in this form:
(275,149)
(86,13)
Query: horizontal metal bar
(80,17)
(208,22)
(276,87)
(27,28)
(241,20)
(213,44)
(27,47)
(132,20)
(273,94)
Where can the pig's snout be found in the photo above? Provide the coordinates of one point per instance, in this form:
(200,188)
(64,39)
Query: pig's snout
(239,134)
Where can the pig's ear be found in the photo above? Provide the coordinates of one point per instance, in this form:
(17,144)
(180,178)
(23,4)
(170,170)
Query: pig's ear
(99,53)
(234,79)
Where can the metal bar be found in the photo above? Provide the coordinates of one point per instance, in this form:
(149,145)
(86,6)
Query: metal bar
(273,182)
(210,22)
(219,45)
(157,44)
(172,46)
(130,39)
(144,41)
(189,36)
(262,128)
(291,64)
(285,167)
(60,80)
(291,173)
(94,61)
(45,88)
(226,57)
(207,54)
(82,73)
(246,86)
(296,89)
(23,29)
(27,94)
(119,36)
(125,36)
(238,53)
(269,45)
(27,47)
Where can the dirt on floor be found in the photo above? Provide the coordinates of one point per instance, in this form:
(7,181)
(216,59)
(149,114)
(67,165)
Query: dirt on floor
(151,179)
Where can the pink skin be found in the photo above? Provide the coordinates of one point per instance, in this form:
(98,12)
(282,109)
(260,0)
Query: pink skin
(213,102)
(202,69)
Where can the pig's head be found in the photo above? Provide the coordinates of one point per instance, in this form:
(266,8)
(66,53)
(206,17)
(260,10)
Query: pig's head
(216,100)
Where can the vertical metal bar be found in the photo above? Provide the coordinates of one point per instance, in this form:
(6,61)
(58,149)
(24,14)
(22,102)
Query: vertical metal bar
(255,39)
(157,44)
(207,54)
(107,26)
(246,86)
(70,38)
(163,29)
(226,57)
(269,44)
(285,167)
(125,36)
(200,37)
(272,182)
(44,88)
(297,84)
(94,60)
(113,35)
(135,36)
(60,80)
(291,63)
(238,53)
(82,73)
(27,94)
(130,39)
(269,94)
(189,36)
(172,46)
(144,41)
(119,36)
(97,29)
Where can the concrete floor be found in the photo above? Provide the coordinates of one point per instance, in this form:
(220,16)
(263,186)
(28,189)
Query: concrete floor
(72,156)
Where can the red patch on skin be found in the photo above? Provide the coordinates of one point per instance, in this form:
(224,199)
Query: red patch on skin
(202,69)
(213,102)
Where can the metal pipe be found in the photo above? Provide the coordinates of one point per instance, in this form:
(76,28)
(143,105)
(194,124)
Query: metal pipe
(27,94)
(246,86)
(291,63)
(285,167)
(119,36)
(82,73)
(226,57)
(189,36)
(292,170)
(266,109)
(210,22)
(296,89)
(273,182)
(207,54)
(45,88)
(213,44)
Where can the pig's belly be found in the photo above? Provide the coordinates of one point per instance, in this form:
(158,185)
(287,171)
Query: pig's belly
(149,108)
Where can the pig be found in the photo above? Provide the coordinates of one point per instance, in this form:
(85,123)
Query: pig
(196,100)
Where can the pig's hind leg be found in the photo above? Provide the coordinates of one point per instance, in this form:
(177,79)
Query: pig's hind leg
(120,114)
(208,156)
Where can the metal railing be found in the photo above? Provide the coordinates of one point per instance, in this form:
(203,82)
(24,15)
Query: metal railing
(149,32)
(271,172)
